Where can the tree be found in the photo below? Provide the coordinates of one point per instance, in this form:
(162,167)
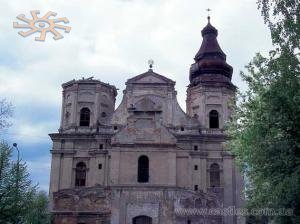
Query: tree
(265,129)
(38,210)
(282,17)
(16,189)
(19,199)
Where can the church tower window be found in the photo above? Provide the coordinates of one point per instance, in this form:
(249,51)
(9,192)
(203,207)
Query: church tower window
(213,119)
(214,175)
(80,174)
(143,169)
(85,117)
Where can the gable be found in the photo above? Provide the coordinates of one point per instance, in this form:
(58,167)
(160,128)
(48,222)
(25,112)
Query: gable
(150,77)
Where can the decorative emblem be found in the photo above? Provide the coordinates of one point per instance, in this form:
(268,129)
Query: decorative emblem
(42,25)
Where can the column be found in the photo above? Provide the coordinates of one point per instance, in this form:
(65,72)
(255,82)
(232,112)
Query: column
(67,172)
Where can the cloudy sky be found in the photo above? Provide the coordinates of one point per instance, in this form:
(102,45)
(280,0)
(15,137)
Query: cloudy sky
(112,41)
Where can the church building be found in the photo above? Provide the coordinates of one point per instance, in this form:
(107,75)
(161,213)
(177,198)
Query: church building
(147,161)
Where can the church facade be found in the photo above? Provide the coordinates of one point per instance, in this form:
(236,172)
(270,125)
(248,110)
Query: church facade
(147,161)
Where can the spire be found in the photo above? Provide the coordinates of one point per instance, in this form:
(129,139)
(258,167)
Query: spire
(210,59)
(210,44)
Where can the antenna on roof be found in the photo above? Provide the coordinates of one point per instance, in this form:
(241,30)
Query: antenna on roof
(90,78)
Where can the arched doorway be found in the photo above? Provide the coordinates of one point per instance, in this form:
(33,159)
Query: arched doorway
(142,220)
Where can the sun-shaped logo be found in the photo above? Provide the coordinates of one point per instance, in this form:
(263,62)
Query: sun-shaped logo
(42,25)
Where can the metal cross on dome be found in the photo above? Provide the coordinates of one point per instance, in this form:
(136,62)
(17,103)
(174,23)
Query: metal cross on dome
(208,14)
(208,11)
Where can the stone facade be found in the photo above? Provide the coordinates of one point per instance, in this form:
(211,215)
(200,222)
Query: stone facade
(147,161)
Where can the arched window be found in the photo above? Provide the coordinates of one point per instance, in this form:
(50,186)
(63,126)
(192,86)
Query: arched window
(214,175)
(80,174)
(142,220)
(85,117)
(143,169)
(213,119)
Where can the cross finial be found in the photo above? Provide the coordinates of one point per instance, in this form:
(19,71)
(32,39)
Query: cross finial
(208,14)
(150,63)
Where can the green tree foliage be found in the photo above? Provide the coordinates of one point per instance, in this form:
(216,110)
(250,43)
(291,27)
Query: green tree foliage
(282,17)
(38,210)
(265,134)
(265,129)
(19,199)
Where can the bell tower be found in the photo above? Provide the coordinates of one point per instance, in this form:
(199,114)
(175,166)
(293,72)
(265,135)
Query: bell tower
(210,89)
(86,103)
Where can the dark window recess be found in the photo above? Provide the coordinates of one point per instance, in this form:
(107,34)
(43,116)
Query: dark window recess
(80,174)
(115,127)
(196,167)
(103,114)
(182,129)
(213,119)
(214,175)
(100,166)
(85,117)
(189,222)
(142,220)
(195,147)
(101,146)
(196,187)
(143,169)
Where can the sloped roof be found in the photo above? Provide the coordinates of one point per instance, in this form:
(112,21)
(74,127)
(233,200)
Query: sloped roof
(150,77)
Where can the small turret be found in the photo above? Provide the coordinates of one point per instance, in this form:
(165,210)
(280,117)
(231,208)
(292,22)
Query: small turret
(86,104)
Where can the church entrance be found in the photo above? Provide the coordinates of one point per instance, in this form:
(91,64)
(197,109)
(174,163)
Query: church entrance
(142,220)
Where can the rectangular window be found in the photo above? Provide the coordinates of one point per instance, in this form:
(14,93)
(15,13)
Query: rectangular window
(100,166)
(195,147)
(101,146)
(196,167)
(196,187)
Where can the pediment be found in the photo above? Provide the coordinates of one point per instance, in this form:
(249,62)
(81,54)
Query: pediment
(150,77)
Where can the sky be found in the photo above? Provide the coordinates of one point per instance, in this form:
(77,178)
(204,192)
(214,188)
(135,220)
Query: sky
(112,41)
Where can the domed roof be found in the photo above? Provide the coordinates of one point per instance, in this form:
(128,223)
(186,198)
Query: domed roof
(210,59)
